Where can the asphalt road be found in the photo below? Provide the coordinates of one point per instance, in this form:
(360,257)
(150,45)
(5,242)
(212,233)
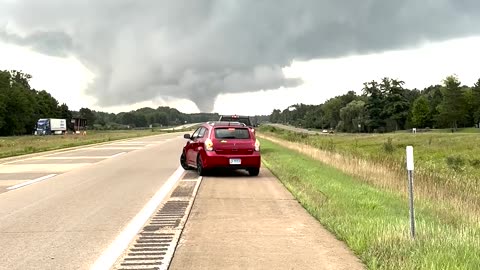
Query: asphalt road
(67,210)
(67,221)
(192,125)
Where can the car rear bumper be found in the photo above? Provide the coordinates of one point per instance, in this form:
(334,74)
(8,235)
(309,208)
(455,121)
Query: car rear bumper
(214,160)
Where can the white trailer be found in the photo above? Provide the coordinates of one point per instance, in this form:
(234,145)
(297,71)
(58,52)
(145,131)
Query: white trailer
(51,126)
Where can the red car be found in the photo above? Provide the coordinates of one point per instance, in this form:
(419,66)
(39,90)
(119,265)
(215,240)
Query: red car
(222,145)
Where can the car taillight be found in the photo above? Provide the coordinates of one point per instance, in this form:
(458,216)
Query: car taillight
(257,146)
(208,145)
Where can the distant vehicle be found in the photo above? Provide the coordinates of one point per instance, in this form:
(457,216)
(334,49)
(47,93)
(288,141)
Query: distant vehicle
(230,145)
(239,118)
(324,131)
(51,126)
(79,125)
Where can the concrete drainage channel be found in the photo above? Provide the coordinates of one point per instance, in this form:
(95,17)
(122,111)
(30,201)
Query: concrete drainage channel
(154,246)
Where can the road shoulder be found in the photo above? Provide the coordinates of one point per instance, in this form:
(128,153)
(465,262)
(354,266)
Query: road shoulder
(240,222)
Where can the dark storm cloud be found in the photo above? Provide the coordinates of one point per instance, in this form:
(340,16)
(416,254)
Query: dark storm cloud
(49,43)
(140,50)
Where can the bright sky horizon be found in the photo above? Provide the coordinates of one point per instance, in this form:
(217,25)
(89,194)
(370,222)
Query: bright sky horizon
(66,78)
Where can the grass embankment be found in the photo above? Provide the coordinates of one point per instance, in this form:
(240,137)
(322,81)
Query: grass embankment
(20,145)
(447,166)
(373,221)
(443,130)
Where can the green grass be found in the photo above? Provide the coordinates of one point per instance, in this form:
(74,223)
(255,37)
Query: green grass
(430,149)
(459,130)
(373,222)
(20,145)
(443,130)
(447,166)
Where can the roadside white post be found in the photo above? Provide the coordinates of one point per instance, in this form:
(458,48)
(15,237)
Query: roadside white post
(410,168)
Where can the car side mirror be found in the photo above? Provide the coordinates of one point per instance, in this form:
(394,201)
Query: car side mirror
(187,136)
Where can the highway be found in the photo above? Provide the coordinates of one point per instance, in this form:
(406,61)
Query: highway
(92,207)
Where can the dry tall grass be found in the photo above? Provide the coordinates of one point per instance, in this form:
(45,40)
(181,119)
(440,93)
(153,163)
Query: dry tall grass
(441,196)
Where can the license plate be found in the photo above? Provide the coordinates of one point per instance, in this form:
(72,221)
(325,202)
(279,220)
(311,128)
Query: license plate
(235,161)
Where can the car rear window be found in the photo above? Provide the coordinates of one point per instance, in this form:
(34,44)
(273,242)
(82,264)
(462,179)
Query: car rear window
(232,133)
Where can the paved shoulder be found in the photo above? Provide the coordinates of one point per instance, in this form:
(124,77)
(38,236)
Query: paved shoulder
(239,222)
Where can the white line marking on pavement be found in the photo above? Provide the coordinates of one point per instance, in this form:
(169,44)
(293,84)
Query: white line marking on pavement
(118,154)
(77,157)
(31,182)
(115,250)
(44,168)
(132,143)
(116,148)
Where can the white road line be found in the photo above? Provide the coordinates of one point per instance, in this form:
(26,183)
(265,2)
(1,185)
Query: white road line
(79,157)
(152,144)
(116,148)
(76,157)
(90,146)
(118,154)
(115,250)
(31,182)
(43,168)
(131,143)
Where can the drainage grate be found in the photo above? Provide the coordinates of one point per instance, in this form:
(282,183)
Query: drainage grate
(184,189)
(154,246)
(190,175)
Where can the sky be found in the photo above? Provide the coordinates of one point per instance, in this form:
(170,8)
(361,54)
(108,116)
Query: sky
(227,56)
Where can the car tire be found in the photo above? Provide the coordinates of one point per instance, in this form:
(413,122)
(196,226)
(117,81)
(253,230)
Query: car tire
(183,162)
(200,169)
(253,171)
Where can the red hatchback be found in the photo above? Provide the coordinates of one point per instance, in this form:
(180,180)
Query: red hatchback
(222,145)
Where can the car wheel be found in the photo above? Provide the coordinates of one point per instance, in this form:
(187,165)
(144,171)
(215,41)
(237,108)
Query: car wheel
(183,162)
(254,171)
(200,169)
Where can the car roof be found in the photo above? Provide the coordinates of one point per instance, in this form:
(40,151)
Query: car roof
(225,124)
(234,116)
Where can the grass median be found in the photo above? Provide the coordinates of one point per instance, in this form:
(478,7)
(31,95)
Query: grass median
(372,221)
(21,145)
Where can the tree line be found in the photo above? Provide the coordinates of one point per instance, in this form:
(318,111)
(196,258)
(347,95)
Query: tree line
(387,105)
(381,107)
(21,106)
(146,117)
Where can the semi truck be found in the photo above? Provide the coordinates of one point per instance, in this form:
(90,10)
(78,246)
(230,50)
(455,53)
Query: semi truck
(51,126)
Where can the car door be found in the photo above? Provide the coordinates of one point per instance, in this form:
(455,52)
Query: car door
(198,143)
(190,148)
